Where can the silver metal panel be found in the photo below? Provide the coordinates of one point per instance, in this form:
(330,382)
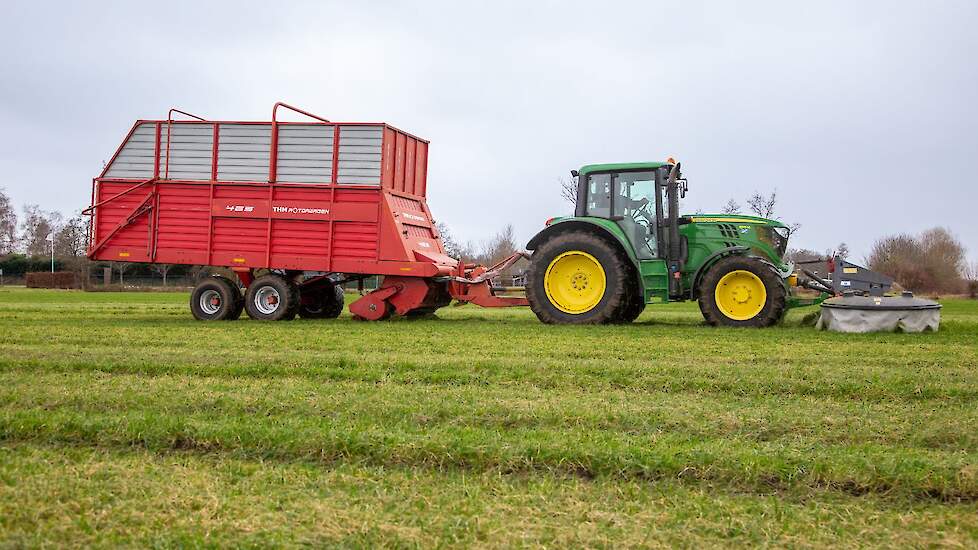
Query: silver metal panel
(140,145)
(360,154)
(243,152)
(305,153)
(367,164)
(191,148)
(228,175)
(365,180)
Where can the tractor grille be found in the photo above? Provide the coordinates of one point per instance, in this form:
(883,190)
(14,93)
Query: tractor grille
(727,230)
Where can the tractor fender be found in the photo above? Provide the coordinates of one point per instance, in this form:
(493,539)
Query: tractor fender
(694,288)
(593,225)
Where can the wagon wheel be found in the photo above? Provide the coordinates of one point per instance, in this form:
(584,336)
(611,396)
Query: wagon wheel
(216,299)
(321,301)
(272,297)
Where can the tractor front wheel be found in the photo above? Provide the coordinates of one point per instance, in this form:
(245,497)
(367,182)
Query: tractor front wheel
(577,278)
(740,291)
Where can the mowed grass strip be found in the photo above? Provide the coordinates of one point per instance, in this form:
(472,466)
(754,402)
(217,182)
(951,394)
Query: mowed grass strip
(91,496)
(853,422)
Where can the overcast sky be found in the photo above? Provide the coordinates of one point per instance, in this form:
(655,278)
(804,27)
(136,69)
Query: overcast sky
(861,114)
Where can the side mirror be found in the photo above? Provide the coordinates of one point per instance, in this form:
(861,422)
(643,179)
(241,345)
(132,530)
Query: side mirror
(683,187)
(574,173)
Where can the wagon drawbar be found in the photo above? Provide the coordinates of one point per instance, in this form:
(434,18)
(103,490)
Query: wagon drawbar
(309,204)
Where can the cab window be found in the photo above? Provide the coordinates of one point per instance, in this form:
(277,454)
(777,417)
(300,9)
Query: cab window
(599,195)
(634,208)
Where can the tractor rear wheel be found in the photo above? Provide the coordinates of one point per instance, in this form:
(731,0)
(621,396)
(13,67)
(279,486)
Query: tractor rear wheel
(216,299)
(272,297)
(740,291)
(577,278)
(322,301)
(634,306)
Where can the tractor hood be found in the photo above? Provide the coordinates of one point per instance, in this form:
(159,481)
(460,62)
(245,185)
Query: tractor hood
(732,218)
(766,238)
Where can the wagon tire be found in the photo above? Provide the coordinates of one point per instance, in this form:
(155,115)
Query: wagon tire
(577,278)
(216,299)
(322,301)
(272,297)
(740,291)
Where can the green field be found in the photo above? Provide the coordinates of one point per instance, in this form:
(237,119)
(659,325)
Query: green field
(123,421)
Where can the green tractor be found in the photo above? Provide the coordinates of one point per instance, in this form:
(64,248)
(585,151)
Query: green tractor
(627,246)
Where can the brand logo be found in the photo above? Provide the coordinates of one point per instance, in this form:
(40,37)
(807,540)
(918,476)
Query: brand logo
(413,217)
(299,210)
(424,244)
(239,208)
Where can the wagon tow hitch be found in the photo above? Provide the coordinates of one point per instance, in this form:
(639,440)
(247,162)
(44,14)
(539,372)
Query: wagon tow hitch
(474,285)
(410,295)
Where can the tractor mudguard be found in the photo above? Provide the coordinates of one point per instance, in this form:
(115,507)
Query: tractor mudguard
(708,262)
(601,226)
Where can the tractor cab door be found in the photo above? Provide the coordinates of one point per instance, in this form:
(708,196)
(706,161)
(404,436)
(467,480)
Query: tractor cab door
(634,209)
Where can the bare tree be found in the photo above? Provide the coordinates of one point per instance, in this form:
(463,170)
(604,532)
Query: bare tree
(971,279)
(765,207)
(122,267)
(568,190)
(732,207)
(162,269)
(453,247)
(71,239)
(761,206)
(932,262)
(8,225)
(36,227)
(499,247)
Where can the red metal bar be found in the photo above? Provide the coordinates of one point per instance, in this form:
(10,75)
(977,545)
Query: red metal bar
(139,210)
(156,151)
(268,233)
(210,224)
(300,111)
(91,209)
(216,140)
(169,115)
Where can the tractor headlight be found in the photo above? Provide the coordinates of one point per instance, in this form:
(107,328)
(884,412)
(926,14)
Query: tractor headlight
(779,236)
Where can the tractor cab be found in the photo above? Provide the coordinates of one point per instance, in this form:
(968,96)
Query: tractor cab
(636,196)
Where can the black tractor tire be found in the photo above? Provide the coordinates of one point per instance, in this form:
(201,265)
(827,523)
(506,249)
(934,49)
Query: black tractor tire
(775,296)
(634,306)
(216,299)
(612,261)
(323,300)
(272,297)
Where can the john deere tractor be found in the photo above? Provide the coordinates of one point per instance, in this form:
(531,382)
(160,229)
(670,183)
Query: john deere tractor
(627,246)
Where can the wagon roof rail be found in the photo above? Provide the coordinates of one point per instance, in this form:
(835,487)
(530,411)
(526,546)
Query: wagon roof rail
(296,109)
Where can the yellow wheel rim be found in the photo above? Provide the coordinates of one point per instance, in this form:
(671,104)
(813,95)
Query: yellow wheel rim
(574,282)
(740,295)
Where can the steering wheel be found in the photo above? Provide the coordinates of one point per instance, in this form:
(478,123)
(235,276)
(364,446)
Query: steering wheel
(642,213)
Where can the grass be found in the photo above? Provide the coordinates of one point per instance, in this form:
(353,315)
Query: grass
(124,422)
